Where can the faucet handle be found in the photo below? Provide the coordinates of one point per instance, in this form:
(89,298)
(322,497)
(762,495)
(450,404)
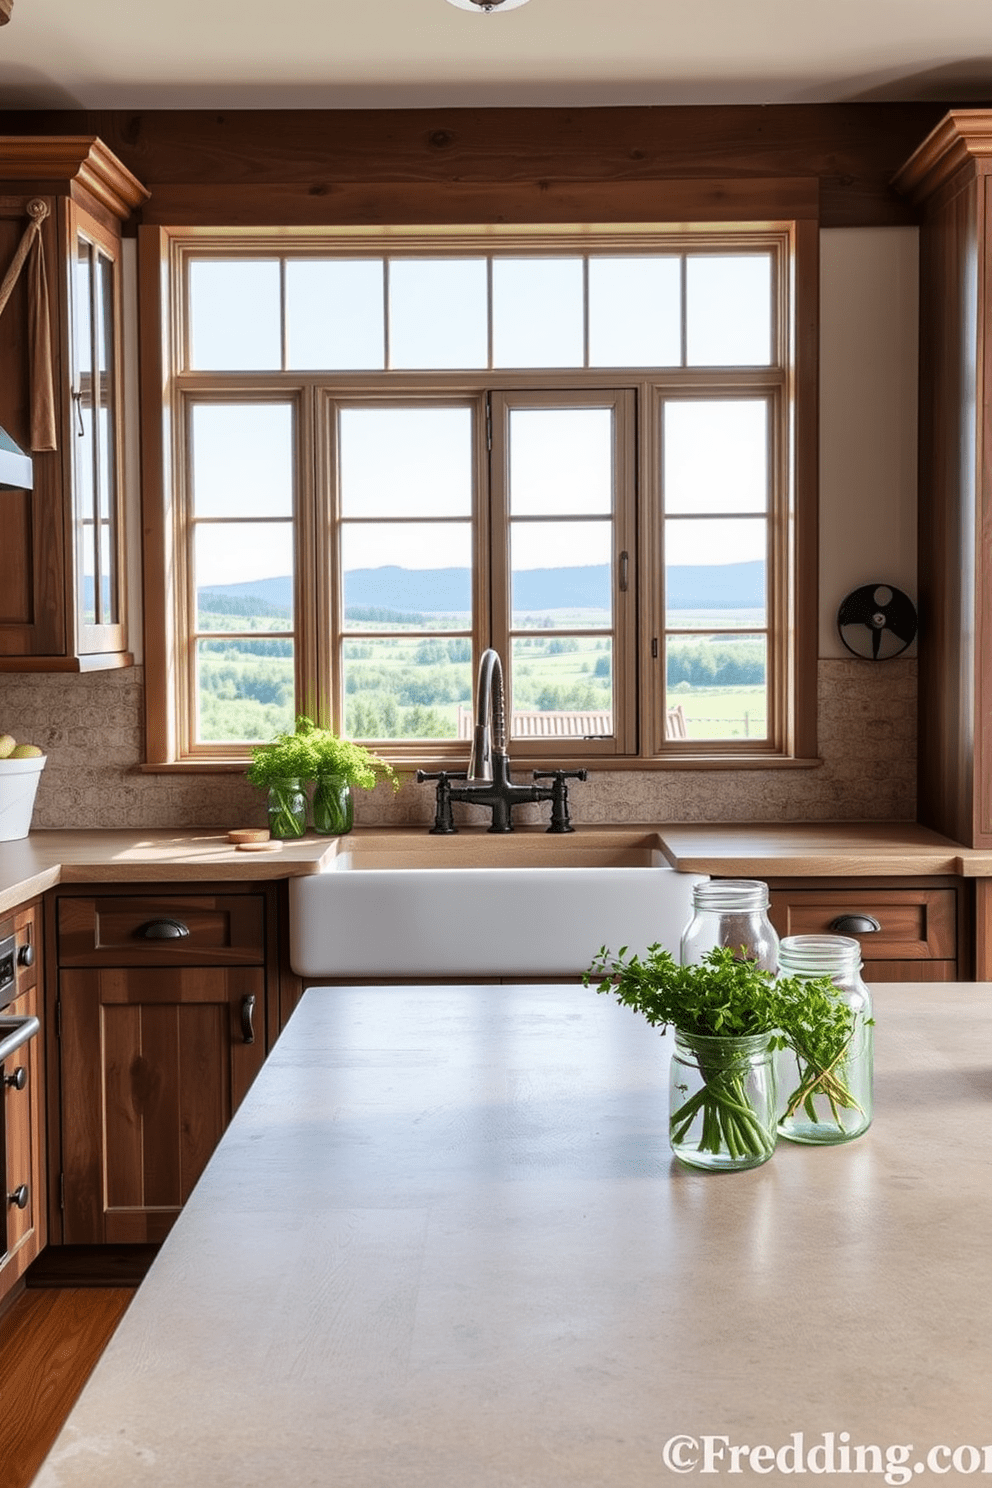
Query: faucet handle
(560,820)
(444,825)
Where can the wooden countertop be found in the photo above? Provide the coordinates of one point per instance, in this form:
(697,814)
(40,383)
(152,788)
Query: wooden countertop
(30,866)
(812,849)
(819,849)
(444,1245)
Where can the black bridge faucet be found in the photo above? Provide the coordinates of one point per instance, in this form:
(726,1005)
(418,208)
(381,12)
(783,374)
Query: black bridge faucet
(487,780)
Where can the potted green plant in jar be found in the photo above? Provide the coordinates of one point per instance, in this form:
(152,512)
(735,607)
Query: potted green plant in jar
(729,1017)
(333,765)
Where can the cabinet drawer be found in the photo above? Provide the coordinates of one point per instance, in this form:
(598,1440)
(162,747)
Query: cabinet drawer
(915,924)
(177,930)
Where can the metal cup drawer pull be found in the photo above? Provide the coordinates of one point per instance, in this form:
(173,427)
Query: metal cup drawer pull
(855,924)
(164,930)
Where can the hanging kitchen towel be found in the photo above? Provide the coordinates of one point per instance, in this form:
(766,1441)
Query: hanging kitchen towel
(39,326)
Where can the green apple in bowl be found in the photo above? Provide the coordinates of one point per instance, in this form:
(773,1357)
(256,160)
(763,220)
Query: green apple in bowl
(26,751)
(7,745)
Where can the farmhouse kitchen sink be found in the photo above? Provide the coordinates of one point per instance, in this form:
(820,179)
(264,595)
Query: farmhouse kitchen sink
(477,906)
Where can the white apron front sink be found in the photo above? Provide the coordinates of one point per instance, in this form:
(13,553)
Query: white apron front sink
(467,907)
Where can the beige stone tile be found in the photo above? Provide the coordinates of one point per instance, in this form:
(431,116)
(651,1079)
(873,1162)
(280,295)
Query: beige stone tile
(91,726)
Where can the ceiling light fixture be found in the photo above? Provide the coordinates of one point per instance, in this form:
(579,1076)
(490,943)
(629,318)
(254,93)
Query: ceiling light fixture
(486,6)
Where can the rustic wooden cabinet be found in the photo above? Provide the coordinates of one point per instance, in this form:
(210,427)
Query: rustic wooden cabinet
(911,930)
(62,599)
(23,1123)
(161,1007)
(950,179)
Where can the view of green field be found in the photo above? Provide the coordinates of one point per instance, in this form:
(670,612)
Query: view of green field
(408,684)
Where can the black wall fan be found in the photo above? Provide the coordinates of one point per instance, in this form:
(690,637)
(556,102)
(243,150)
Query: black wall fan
(877,622)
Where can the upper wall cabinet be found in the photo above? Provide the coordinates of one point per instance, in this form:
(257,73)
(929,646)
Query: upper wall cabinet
(62,571)
(950,178)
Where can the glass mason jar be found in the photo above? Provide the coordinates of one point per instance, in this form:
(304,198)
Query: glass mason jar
(825,1089)
(287,808)
(722,1101)
(731,912)
(333,806)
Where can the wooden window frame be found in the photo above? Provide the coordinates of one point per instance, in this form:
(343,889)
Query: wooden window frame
(95,637)
(639,693)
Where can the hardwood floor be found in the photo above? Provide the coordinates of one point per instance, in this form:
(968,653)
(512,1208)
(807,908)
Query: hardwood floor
(49,1342)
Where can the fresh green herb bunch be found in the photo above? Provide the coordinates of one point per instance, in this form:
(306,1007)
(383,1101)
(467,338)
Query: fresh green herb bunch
(310,751)
(725,997)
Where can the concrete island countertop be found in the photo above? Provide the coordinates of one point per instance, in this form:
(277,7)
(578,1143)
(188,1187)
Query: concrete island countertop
(444,1244)
(755,850)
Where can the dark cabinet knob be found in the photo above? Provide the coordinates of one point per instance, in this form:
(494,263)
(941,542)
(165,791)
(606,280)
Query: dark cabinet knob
(19,1198)
(25,955)
(855,924)
(164,930)
(18,1079)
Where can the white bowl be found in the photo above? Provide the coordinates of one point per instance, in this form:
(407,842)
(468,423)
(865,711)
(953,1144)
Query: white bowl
(18,787)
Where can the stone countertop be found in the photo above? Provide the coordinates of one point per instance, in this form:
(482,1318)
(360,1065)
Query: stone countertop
(444,1243)
(826,849)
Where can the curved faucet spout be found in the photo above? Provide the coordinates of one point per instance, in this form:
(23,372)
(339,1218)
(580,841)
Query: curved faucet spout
(490,718)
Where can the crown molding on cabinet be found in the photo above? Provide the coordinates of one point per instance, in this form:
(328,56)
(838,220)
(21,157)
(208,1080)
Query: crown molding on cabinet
(963,136)
(73,160)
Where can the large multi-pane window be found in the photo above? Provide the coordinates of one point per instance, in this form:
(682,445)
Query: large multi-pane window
(391,454)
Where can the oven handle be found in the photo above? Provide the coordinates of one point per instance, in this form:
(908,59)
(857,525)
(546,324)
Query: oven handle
(14,1032)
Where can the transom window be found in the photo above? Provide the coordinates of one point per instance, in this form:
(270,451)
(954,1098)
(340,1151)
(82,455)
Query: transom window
(390,454)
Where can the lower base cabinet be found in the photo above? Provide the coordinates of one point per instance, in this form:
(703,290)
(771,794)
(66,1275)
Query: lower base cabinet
(161,1018)
(154,1064)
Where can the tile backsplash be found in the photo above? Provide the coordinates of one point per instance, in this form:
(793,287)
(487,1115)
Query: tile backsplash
(91,727)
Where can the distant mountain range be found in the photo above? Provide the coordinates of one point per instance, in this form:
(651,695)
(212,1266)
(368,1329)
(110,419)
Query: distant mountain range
(444,591)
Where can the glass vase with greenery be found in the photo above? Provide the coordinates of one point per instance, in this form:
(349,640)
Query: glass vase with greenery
(729,1016)
(316,755)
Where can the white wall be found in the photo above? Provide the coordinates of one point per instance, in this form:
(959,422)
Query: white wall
(869,312)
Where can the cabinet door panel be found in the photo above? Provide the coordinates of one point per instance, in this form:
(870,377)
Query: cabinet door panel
(156,1064)
(62,544)
(32,535)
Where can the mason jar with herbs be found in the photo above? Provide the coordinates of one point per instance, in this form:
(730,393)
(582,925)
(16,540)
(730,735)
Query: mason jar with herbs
(336,767)
(724,1012)
(287,807)
(332,806)
(825,1075)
